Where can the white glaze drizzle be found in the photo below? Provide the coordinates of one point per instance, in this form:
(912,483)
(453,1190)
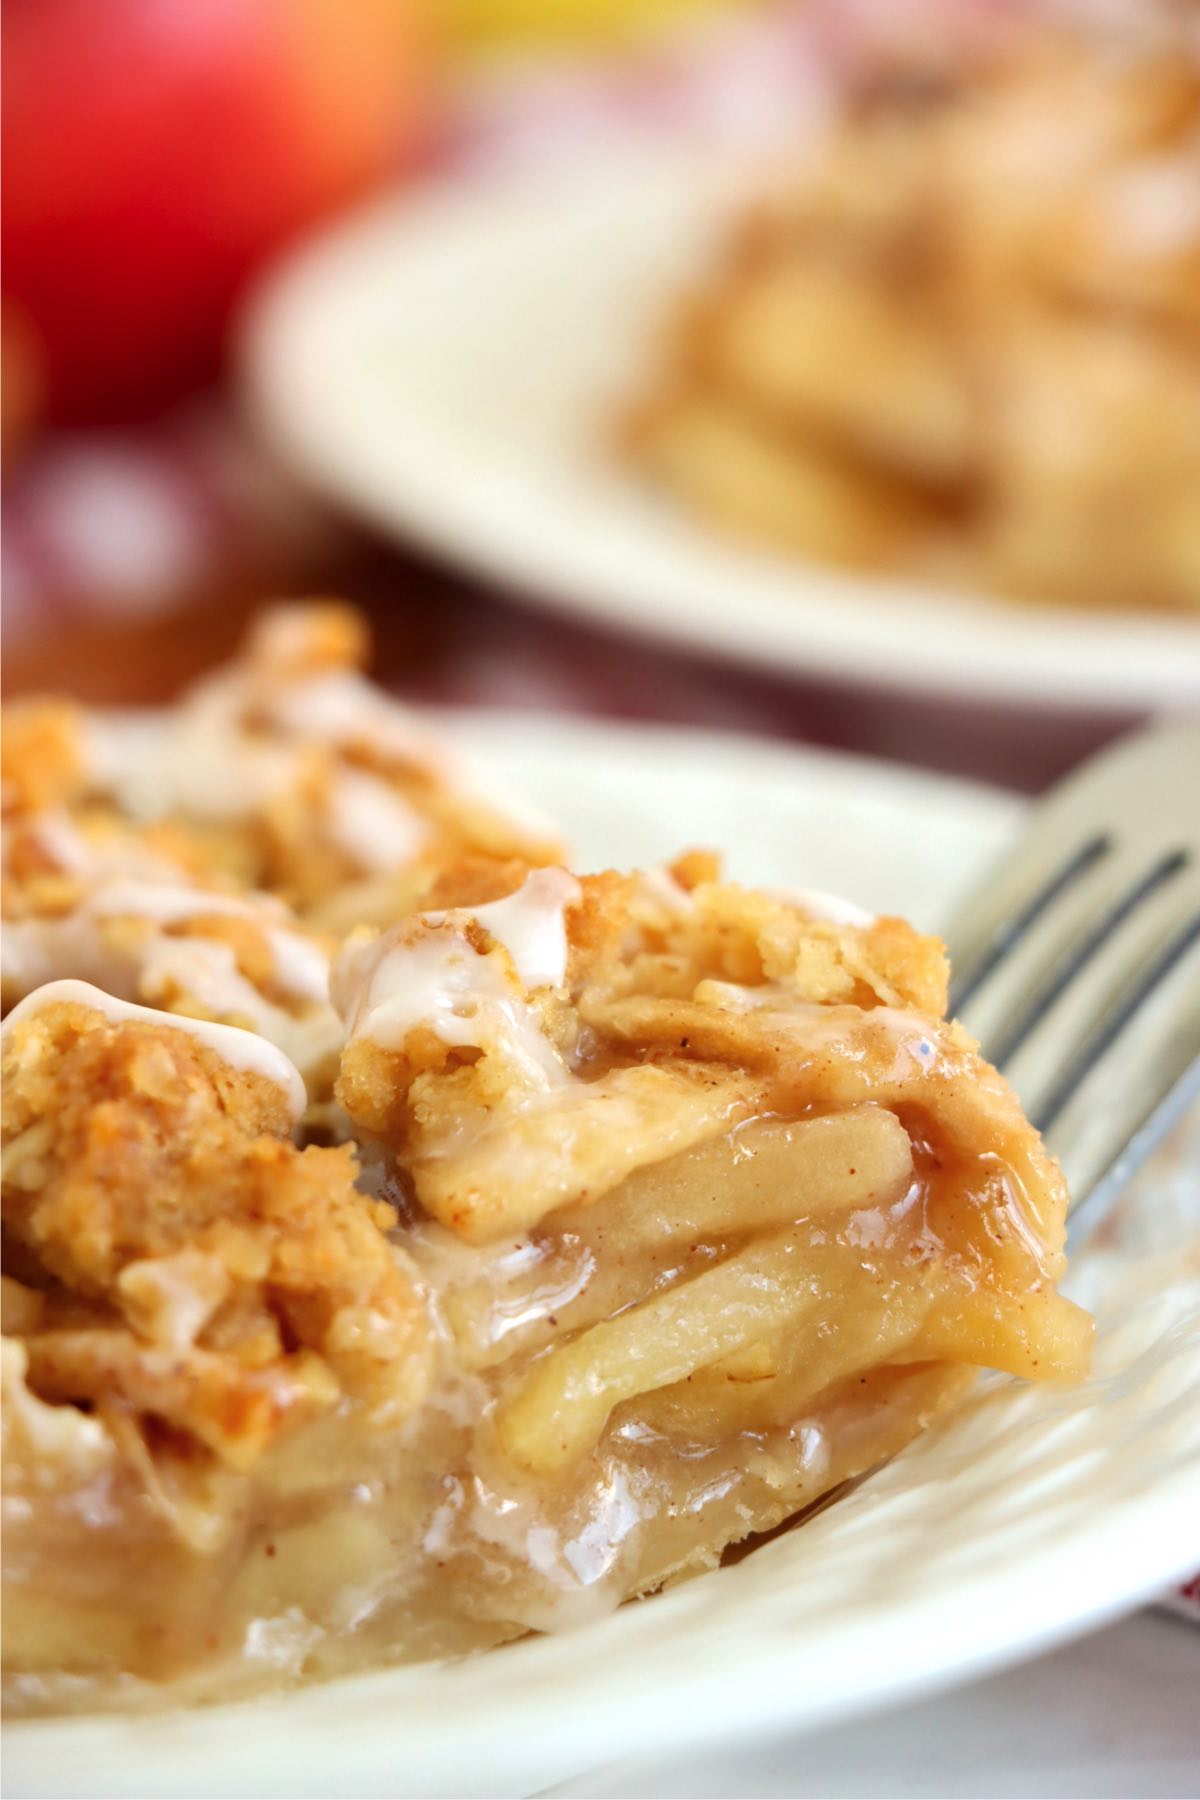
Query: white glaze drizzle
(300,965)
(427,972)
(203,759)
(433,977)
(39,950)
(661,886)
(167,903)
(821,905)
(197,760)
(58,839)
(530,923)
(242,1050)
(34,951)
(345,711)
(342,708)
(66,847)
(485,789)
(1153,207)
(372,824)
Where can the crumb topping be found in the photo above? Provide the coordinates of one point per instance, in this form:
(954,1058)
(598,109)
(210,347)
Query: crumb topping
(194,1263)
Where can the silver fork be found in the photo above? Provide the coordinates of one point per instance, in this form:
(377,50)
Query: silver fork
(1077,960)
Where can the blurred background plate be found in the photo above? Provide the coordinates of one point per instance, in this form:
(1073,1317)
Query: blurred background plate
(451,366)
(1027,1517)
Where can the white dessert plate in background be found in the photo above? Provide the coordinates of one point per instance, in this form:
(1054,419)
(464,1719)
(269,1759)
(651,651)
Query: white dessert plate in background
(451,366)
(1028,1517)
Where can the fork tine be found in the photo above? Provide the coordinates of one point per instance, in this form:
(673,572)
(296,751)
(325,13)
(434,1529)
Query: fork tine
(1111,923)
(1004,912)
(1108,1034)
(1027,965)
(1108,1170)
(1072,833)
(1079,957)
(1123,1086)
(1089,984)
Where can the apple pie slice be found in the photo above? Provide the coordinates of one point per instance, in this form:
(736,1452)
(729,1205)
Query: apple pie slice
(660,1208)
(958,341)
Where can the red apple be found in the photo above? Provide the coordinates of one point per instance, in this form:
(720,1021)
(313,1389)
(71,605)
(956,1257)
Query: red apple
(154,151)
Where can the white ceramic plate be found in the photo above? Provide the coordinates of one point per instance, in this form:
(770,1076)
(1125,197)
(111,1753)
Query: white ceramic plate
(1028,1517)
(449,365)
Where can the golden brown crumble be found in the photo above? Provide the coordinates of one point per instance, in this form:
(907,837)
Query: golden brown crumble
(284,771)
(195,1265)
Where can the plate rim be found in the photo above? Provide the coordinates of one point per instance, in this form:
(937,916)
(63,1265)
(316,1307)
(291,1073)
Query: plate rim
(288,334)
(37,1748)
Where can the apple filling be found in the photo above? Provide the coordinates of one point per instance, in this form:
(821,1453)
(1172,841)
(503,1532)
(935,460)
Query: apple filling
(649,1211)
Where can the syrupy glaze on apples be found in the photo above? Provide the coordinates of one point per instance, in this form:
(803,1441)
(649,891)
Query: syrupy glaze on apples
(341,1550)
